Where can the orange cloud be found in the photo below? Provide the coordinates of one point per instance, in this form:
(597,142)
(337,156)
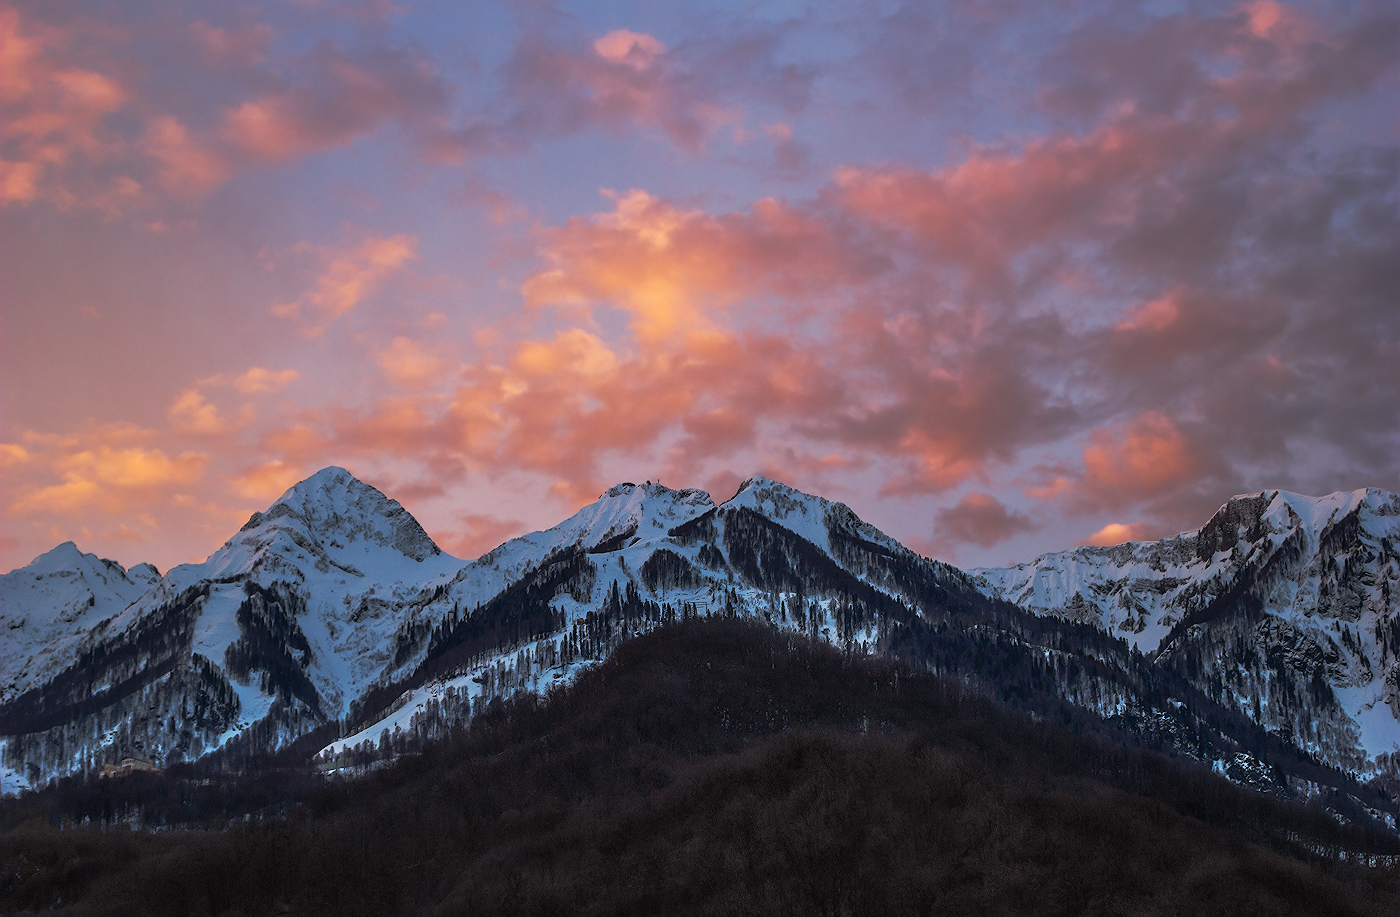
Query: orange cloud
(79,134)
(627,79)
(335,98)
(1285,26)
(186,167)
(1118,533)
(257,380)
(675,270)
(1157,315)
(267,481)
(99,471)
(698,378)
(407,362)
(19,182)
(191,413)
(1143,459)
(76,136)
(348,278)
(979,215)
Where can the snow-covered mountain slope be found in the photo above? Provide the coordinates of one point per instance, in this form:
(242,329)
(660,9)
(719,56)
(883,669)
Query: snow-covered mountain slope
(625,514)
(51,607)
(1282,605)
(359,562)
(802,563)
(822,522)
(525,615)
(331,621)
(274,634)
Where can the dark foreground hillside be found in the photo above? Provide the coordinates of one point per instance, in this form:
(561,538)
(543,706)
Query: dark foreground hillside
(709,767)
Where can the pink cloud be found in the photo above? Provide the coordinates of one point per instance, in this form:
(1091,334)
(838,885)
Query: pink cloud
(260,380)
(675,271)
(243,47)
(348,277)
(186,165)
(626,79)
(409,363)
(191,413)
(981,519)
(637,50)
(332,98)
(82,129)
(52,114)
(1175,284)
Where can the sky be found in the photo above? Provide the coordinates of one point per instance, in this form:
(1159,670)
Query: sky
(1004,277)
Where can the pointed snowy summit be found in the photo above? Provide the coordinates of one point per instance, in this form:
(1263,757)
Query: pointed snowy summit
(331,519)
(621,513)
(814,518)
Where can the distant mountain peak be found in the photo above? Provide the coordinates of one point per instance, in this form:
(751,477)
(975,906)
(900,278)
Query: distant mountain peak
(328,510)
(648,506)
(654,489)
(60,557)
(48,607)
(330,483)
(758,483)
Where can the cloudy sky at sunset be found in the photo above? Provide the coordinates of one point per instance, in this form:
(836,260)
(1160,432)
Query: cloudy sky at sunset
(1005,277)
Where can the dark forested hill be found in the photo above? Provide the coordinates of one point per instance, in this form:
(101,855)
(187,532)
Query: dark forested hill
(710,766)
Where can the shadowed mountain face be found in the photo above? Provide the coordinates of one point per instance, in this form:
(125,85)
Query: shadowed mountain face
(709,766)
(331,625)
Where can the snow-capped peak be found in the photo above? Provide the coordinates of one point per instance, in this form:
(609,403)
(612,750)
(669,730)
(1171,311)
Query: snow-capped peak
(1248,518)
(336,503)
(49,606)
(331,519)
(1316,513)
(1143,588)
(623,512)
(777,499)
(66,560)
(61,557)
(810,516)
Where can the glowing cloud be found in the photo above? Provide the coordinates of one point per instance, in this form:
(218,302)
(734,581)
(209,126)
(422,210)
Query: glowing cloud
(108,478)
(186,166)
(1174,283)
(51,114)
(634,49)
(675,271)
(347,278)
(191,413)
(267,481)
(1147,456)
(258,380)
(407,362)
(1117,533)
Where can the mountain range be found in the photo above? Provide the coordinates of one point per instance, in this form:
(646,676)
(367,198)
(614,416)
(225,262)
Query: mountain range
(331,628)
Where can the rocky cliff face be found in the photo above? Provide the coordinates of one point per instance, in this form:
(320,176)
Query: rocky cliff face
(1281,606)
